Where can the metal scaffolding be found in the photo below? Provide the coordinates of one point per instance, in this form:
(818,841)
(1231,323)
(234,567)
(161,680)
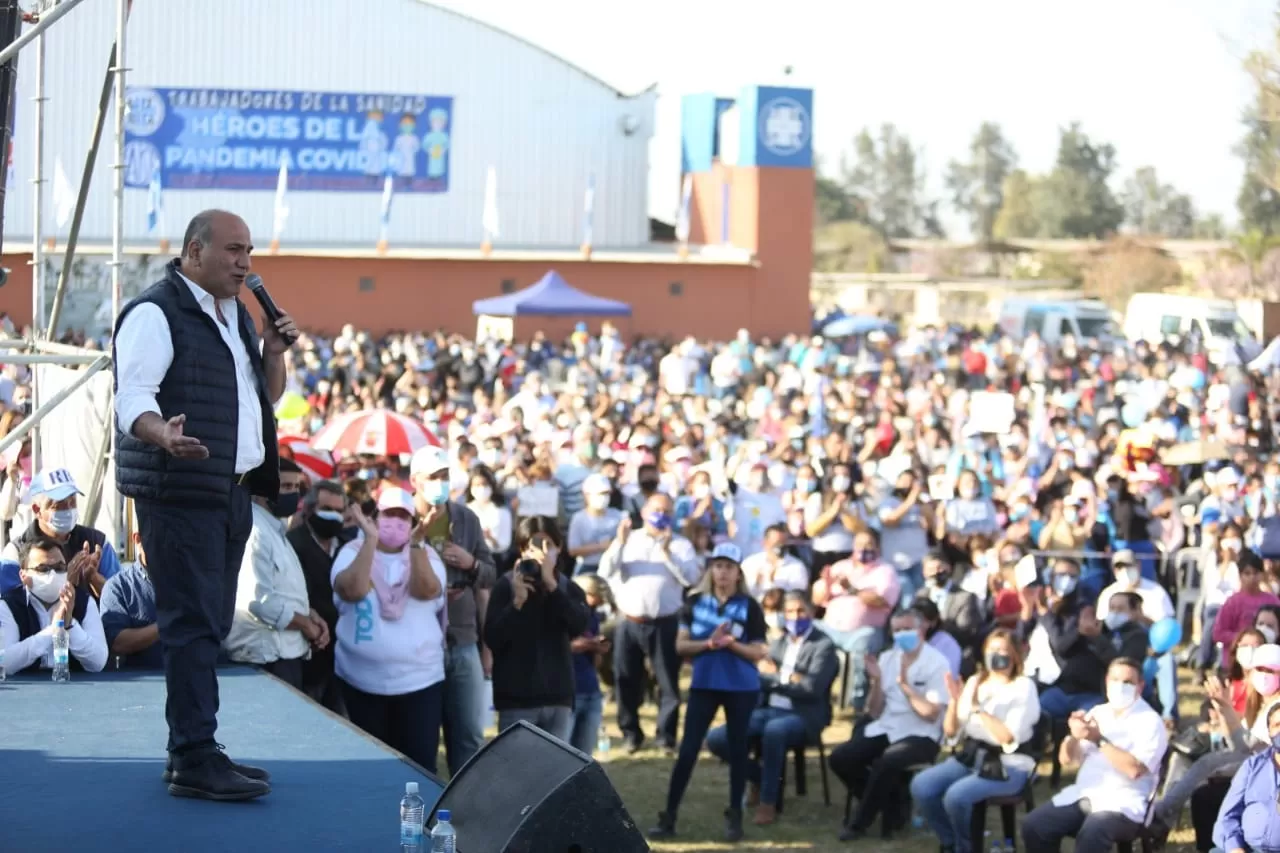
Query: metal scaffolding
(40,347)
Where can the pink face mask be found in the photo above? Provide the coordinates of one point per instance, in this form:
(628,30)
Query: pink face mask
(1266,683)
(393,532)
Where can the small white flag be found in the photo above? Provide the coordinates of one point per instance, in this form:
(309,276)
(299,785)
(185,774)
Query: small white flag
(281,210)
(64,197)
(490,218)
(682,216)
(155,205)
(388,191)
(589,212)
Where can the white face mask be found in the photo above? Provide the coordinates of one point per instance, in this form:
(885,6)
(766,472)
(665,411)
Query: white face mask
(47,586)
(481,494)
(598,502)
(840,484)
(1121,694)
(1232,545)
(968,492)
(1267,632)
(1131,577)
(701,490)
(1116,621)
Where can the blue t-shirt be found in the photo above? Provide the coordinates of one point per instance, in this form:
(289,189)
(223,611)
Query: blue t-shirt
(721,669)
(129,601)
(585,680)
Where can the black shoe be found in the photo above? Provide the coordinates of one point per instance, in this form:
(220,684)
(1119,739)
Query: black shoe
(248,771)
(733,825)
(850,833)
(634,745)
(1158,831)
(666,827)
(208,776)
(668,751)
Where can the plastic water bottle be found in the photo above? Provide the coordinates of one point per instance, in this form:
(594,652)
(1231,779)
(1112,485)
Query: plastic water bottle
(1009,846)
(411,814)
(443,838)
(61,653)
(602,743)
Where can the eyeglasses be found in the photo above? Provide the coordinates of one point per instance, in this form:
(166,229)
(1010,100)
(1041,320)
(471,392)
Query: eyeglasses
(45,568)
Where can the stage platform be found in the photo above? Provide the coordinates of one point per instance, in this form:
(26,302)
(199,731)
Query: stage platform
(80,767)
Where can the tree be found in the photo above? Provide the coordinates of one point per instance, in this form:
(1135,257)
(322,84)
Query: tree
(831,202)
(1075,200)
(1155,209)
(886,183)
(1124,267)
(1258,201)
(1017,217)
(977,185)
(1210,227)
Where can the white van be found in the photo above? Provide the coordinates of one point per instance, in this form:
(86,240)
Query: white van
(1160,317)
(1084,319)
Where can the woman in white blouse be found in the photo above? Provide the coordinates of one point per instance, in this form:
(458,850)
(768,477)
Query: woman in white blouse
(487,501)
(389,642)
(993,715)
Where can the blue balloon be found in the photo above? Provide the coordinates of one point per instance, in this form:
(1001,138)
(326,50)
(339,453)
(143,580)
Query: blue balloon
(1149,667)
(1165,635)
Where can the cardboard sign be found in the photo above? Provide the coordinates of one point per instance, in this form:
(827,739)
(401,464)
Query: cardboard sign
(991,412)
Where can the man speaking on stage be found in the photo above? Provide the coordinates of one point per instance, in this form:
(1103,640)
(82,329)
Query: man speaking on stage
(195,395)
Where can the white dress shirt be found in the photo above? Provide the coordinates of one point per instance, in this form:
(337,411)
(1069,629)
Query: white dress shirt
(271,590)
(790,656)
(1138,731)
(144,354)
(1015,703)
(86,641)
(790,574)
(644,584)
(927,676)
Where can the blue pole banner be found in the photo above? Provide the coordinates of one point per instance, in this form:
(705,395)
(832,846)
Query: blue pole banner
(333,141)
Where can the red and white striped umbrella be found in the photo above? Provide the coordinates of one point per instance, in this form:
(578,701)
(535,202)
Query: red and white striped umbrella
(318,464)
(377,432)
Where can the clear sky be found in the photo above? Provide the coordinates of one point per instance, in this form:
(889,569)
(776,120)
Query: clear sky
(1159,79)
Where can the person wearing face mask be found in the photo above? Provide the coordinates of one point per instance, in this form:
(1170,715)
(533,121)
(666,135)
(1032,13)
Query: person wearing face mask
(1239,610)
(389,584)
(1123,633)
(591,530)
(1267,623)
(969,513)
(774,568)
(831,518)
(701,505)
(274,624)
(577,464)
(1226,498)
(1070,633)
(796,678)
(1220,579)
(483,497)
(754,508)
(1246,820)
(958,611)
(1155,605)
(316,541)
(903,534)
(52,495)
(454,531)
(649,569)
(995,713)
(907,696)
(29,614)
(1119,747)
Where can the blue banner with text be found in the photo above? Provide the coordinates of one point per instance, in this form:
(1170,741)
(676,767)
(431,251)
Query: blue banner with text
(333,142)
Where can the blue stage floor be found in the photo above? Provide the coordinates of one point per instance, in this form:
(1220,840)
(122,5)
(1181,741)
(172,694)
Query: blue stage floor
(80,768)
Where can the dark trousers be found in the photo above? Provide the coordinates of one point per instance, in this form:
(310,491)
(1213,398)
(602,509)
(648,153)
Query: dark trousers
(409,723)
(699,712)
(1044,829)
(873,769)
(633,642)
(319,682)
(288,671)
(193,558)
(1206,802)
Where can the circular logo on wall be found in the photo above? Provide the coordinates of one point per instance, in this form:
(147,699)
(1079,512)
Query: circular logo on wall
(784,126)
(144,112)
(141,161)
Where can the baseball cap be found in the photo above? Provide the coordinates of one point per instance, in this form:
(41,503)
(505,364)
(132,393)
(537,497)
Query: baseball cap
(1267,656)
(596,484)
(56,484)
(394,497)
(1124,557)
(429,461)
(727,551)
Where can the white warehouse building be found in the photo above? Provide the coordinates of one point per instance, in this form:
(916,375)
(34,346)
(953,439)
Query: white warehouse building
(348,93)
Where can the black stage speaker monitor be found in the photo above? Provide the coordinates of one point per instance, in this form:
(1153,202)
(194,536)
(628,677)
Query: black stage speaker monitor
(527,792)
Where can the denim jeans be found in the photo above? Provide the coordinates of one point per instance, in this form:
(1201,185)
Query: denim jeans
(588,712)
(946,793)
(858,643)
(464,714)
(1058,704)
(555,720)
(910,581)
(778,730)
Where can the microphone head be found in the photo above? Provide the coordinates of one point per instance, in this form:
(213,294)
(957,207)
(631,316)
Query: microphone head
(253,281)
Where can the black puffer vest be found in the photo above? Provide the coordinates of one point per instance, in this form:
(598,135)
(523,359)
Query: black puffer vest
(201,384)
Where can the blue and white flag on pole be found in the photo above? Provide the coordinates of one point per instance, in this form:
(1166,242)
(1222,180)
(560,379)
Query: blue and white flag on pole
(589,212)
(281,214)
(724,211)
(682,215)
(64,198)
(388,190)
(155,205)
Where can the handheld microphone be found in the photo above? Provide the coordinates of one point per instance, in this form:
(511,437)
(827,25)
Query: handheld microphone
(254,282)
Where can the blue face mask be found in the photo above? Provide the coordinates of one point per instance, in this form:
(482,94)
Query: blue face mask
(659,521)
(1275,741)
(907,641)
(798,627)
(435,492)
(1065,584)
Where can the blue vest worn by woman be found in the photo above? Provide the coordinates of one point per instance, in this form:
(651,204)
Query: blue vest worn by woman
(28,621)
(201,384)
(722,669)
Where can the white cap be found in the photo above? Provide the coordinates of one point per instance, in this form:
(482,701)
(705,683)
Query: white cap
(429,461)
(411,787)
(394,497)
(596,484)
(56,484)
(727,551)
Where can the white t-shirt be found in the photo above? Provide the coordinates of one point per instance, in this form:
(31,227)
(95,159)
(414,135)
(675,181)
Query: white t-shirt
(906,543)
(927,675)
(389,658)
(836,538)
(1156,604)
(1140,732)
(791,574)
(1016,703)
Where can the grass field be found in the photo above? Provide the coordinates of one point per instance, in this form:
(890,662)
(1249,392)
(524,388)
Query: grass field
(805,825)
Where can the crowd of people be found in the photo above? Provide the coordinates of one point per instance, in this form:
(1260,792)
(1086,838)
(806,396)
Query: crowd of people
(978,543)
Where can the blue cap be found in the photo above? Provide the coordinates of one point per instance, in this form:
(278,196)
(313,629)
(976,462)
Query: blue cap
(443,814)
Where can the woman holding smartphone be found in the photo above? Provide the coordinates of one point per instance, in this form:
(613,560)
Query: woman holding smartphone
(534,612)
(722,628)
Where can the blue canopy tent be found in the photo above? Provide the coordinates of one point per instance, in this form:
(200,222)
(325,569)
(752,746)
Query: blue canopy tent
(551,296)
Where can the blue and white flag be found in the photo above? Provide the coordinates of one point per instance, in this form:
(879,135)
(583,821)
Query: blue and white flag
(281,215)
(589,212)
(724,210)
(64,197)
(682,215)
(155,205)
(388,190)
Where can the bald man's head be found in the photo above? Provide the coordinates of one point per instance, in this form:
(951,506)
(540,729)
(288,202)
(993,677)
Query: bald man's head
(216,252)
